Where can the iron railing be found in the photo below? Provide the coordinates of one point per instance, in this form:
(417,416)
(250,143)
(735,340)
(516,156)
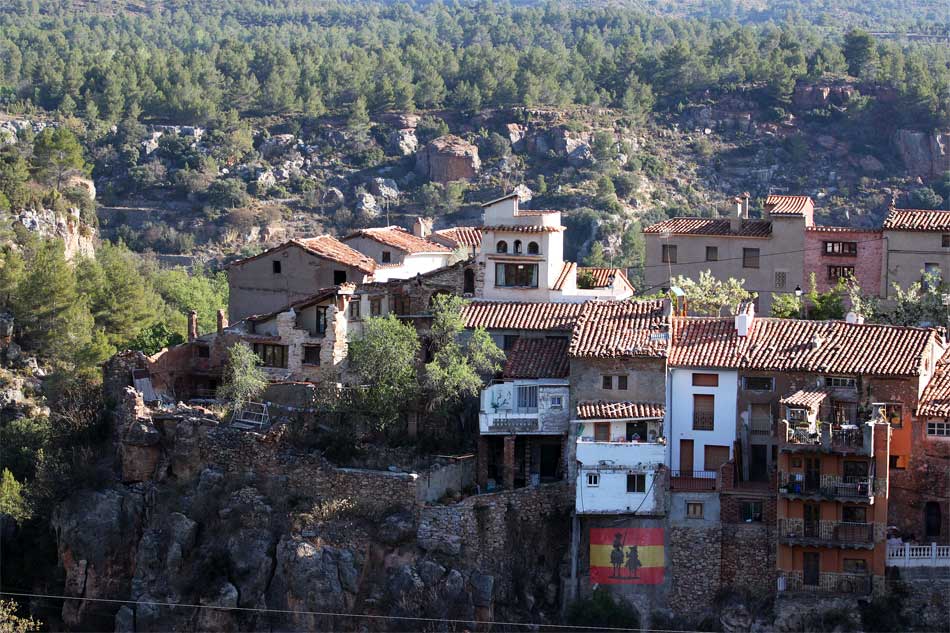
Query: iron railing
(693,480)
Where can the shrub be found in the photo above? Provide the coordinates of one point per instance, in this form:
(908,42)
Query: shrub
(431,127)
(602,610)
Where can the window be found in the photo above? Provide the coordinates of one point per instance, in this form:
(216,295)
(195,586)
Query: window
(508,341)
(712,253)
(636,482)
(932,519)
(668,255)
(204,351)
(376,306)
(527,398)
(931,274)
(796,415)
(311,354)
(355,308)
(400,304)
(533,248)
(501,246)
(271,355)
(601,431)
(945,240)
(607,382)
(557,402)
(854,468)
(758,383)
(750,258)
(468,285)
(780,279)
(704,407)
(854,514)
(840,272)
(894,462)
(694,510)
(516,275)
(593,480)
(386,257)
(844,412)
(705,380)
(938,429)
(320,324)
(622,382)
(517,247)
(893,412)
(751,511)
(854,566)
(842,382)
(841,249)
(275,267)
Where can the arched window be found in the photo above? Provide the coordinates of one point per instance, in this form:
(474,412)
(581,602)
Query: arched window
(532,248)
(517,246)
(468,283)
(932,519)
(501,247)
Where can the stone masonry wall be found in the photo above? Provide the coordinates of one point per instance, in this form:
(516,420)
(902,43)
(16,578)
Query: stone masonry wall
(694,562)
(748,556)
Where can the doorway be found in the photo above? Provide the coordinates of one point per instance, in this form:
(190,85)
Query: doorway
(812,474)
(550,457)
(812,518)
(759,465)
(810,568)
(932,519)
(686,456)
(715,456)
(636,431)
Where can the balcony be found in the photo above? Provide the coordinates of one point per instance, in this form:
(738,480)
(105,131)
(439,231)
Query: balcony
(829,438)
(907,555)
(840,534)
(693,480)
(760,427)
(525,406)
(793,485)
(829,583)
(619,454)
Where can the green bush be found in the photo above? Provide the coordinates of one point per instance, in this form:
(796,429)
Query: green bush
(602,610)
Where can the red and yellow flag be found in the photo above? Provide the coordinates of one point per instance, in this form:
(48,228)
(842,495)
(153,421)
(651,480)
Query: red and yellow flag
(626,556)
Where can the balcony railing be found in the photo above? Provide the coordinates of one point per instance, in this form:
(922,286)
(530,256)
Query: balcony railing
(704,421)
(907,555)
(761,426)
(826,583)
(514,423)
(829,436)
(832,532)
(693,480)
(827,486)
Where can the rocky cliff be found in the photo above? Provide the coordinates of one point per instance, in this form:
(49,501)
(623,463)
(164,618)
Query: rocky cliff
(925,154)
(78,237)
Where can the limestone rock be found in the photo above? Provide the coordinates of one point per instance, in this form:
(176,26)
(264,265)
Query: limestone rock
(924,154)
(448,158)
(403,142)
(870,164)
(580,156)
(385,188)
(524,192)
(516,136)
(397,528)
(333,197)
(366,205)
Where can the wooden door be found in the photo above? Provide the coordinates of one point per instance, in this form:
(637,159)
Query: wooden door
(601,431)
(812,515)
(686,455)
(812,474)
(810,568)
(715,456)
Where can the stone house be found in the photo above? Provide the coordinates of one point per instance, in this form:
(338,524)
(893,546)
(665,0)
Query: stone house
(290,272)
(397,253)
(915,241)
(509,321)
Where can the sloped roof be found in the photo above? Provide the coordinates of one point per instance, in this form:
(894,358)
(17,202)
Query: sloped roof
(563,275)
(620,329)
(538,358)
(470,236)
(399,238)
(325,246)
(600,410)
(518,315)
(935,401)
(523,228)
(321,295)
(788,205)
(711,226)
(917,220)
(809,399)
(796,345)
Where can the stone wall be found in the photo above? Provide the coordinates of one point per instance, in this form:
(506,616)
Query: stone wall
(748,557)
(695,556)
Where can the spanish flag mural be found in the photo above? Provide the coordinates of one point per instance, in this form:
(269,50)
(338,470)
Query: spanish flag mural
(626,556)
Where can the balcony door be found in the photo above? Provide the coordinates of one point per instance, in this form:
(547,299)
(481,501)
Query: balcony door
(637,431)
(810,568)
(715,456)
(527,398)
(812,474)
(812,516)
(686,455)
(759,464)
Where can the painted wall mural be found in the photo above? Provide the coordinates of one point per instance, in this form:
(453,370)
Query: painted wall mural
(627,556)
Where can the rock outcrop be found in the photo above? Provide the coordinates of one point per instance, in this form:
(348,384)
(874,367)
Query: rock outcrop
(925,154)
(448,158)
(79,238)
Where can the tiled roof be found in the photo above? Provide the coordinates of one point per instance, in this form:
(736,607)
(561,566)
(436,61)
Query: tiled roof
(523,228)
(917,220)
(604,277)
(518,315)
(600,410)
(620,329)
(809,399)
(563,276)
(331,248)
(935,401)
(399,238)
(470,236)
(787,205)
(710,226)
(538,358)
(833,347)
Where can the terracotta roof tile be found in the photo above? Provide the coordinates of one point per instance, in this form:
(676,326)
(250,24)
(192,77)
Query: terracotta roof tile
(917,220)
(470,236)
(810,399)
(711,226)
(538,358)
(600,410)
(834,347)
(399,238)
(620,329)
(935,401)
(563,276)
(604,277)
(325,246)
(788,205)
(516,315)
(525,228)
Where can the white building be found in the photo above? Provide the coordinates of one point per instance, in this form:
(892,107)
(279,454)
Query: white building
(523,255)
(398,253)
(621,453)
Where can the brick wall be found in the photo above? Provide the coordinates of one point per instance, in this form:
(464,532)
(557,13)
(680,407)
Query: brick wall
(867,264)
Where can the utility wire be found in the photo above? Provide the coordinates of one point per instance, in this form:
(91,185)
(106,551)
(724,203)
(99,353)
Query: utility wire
(342,615)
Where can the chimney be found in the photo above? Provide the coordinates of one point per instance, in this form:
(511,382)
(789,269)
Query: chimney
(816,342)
(667,308)
(192,325)
(422,227)
(745,205)
(854,318)
(744,318)
(735,222)
(222,320)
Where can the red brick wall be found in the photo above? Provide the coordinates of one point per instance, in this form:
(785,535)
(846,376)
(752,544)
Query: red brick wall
(867,264)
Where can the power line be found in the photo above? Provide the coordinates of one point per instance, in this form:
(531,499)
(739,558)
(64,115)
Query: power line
(341,615)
